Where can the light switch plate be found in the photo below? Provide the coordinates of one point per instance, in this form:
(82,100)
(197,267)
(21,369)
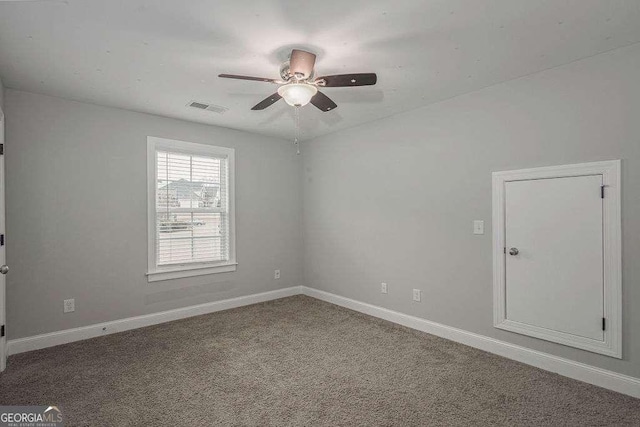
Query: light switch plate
(478,226)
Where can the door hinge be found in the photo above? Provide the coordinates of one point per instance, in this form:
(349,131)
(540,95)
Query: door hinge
(602,191)
(504,250)
(1,331)
(1,239)
(604,323)
(1,149)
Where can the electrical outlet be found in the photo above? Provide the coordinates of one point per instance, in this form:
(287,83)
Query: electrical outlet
(276,274)
(416,295)
(383,288)
(478,226)
(69,305)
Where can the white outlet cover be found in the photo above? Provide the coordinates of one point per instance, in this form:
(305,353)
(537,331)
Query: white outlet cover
(69,305)
(276,274)
(478,226)
(383,288)
(416,295)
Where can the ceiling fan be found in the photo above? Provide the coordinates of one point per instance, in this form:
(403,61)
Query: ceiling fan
(299,85)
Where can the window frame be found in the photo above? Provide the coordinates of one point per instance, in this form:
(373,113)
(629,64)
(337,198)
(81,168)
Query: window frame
(158,273)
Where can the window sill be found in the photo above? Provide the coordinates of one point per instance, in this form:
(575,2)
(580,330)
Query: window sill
(181,272)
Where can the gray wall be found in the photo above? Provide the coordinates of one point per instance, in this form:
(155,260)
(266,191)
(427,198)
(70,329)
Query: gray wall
(77,214)
(394,200)
(1,95)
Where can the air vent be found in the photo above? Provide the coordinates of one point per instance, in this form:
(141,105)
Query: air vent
(199,105)
(207,107)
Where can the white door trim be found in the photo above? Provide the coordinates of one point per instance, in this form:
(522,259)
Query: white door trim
(610,171)
(3,281)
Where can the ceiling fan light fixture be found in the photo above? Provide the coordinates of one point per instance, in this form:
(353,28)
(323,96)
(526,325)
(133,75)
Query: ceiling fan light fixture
(297,94)
(300,86)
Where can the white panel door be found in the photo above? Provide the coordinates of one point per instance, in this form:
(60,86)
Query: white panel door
(554,254)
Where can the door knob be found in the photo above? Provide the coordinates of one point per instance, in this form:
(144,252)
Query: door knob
(4,269)
(512,251)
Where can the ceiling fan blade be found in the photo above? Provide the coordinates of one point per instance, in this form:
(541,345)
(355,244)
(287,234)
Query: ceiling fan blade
(257,79)
(323,102)
(342,80)
(271,99)
(301,62)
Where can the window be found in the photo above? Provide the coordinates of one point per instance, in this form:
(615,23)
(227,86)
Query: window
(191,209)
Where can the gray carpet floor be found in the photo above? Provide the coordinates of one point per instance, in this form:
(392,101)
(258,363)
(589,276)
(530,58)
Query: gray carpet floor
(298,361)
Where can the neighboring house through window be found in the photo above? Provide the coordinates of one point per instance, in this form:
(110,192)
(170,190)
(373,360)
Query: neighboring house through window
(191,209)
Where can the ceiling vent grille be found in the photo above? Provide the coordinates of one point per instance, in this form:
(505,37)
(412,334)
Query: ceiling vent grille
(207,107)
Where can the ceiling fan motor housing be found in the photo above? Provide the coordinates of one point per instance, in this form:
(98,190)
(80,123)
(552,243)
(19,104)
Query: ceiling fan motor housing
(286,74)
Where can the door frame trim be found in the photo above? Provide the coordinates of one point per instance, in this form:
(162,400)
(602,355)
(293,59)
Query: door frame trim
(610,171)
(3,289)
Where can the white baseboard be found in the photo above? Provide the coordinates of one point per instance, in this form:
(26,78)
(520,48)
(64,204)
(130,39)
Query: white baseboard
(37,342)
(579,371)
(568,368)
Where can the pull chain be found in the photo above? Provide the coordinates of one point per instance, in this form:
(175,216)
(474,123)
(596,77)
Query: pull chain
(297,129)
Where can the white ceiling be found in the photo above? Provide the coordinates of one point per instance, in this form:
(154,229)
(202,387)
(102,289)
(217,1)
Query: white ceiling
(157,55)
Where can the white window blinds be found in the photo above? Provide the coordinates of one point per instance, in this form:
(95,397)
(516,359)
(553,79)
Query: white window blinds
(192,209)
